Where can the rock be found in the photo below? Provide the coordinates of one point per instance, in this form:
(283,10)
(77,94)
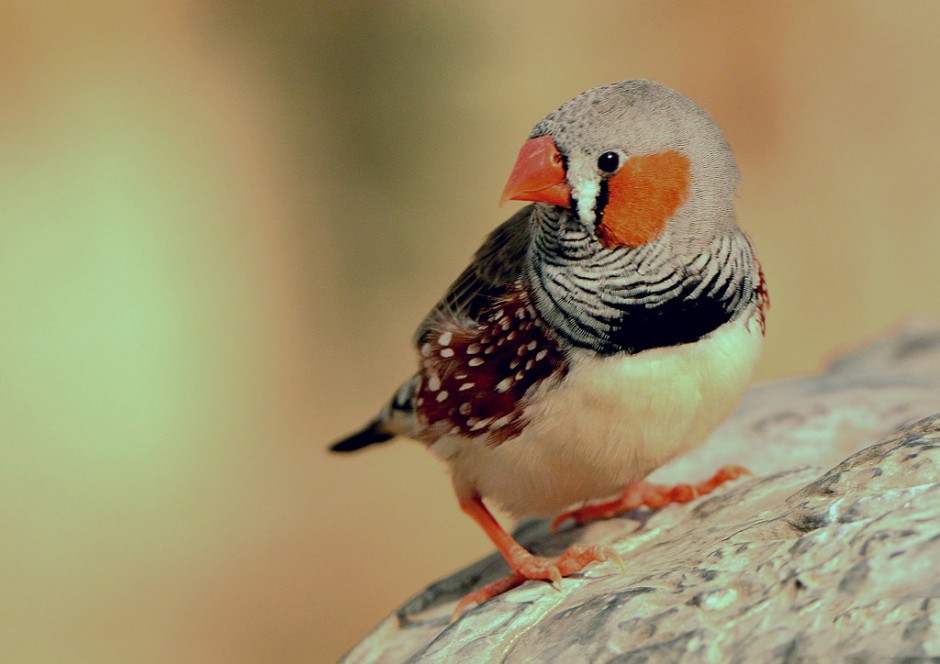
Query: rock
(831,551)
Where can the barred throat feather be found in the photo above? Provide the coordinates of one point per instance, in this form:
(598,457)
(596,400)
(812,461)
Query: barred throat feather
(613,300)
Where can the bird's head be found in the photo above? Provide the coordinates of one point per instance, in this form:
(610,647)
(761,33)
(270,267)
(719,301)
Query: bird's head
(628,160)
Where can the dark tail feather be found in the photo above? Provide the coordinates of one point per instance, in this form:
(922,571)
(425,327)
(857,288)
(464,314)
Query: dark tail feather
(370,435)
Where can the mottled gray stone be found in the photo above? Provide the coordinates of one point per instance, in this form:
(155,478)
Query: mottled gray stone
(831,551)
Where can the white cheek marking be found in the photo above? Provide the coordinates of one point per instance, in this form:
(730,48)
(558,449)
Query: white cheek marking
(585,187)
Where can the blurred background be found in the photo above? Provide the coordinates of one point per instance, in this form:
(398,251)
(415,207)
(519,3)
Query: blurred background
(221,222)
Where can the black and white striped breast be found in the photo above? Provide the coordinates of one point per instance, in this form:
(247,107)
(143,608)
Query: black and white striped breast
(631,300)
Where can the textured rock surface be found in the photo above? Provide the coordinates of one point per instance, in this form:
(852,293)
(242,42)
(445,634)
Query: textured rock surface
(831,551)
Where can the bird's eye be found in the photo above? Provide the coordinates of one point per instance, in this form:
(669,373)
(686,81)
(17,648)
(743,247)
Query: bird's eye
(608,162)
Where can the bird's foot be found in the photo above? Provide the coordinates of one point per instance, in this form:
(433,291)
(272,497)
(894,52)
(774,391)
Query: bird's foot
(529,567)
(650,495)
(572,561)
(488,591)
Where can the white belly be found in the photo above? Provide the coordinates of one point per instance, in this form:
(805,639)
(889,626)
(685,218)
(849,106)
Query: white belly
(611,422)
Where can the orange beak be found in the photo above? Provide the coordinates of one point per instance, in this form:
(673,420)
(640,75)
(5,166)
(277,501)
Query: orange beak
(539,175)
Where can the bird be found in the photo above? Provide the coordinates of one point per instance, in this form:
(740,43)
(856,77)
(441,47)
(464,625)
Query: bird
(606,327)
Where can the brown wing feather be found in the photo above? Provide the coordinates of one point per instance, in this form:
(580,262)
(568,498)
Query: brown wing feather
(495,267)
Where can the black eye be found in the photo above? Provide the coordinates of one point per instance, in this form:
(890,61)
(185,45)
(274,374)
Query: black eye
(608,162)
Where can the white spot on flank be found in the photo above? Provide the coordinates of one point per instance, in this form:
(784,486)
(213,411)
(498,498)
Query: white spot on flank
(441,395)
(514,363)
(511,335)
(541,355)
(528,365)
(504,384)
(532,345)
(520,375)
(475,362)
(489,350)
(447,352)
(434,383)
(473,349)
(445,338)
(466,386)
(464,408)
(426,350)
(505,324)
(501,422)
(460,376)
(482,423)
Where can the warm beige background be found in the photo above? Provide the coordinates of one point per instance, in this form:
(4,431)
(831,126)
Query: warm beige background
(221,222)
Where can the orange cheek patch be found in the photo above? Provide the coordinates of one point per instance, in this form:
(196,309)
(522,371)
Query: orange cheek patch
(642,197)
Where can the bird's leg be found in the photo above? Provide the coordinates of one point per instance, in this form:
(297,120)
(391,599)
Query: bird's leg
(651,495)
(525,566)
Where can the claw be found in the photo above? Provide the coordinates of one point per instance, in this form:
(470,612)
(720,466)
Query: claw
(619,561)
(560,519)
(490,591)
(465,604)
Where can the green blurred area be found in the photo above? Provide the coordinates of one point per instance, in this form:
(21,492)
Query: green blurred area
(221,222)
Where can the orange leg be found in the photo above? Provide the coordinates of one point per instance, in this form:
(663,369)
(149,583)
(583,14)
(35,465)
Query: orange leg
(525,566)
(653,496)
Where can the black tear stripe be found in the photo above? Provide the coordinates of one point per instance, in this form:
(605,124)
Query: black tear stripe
(600,203)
